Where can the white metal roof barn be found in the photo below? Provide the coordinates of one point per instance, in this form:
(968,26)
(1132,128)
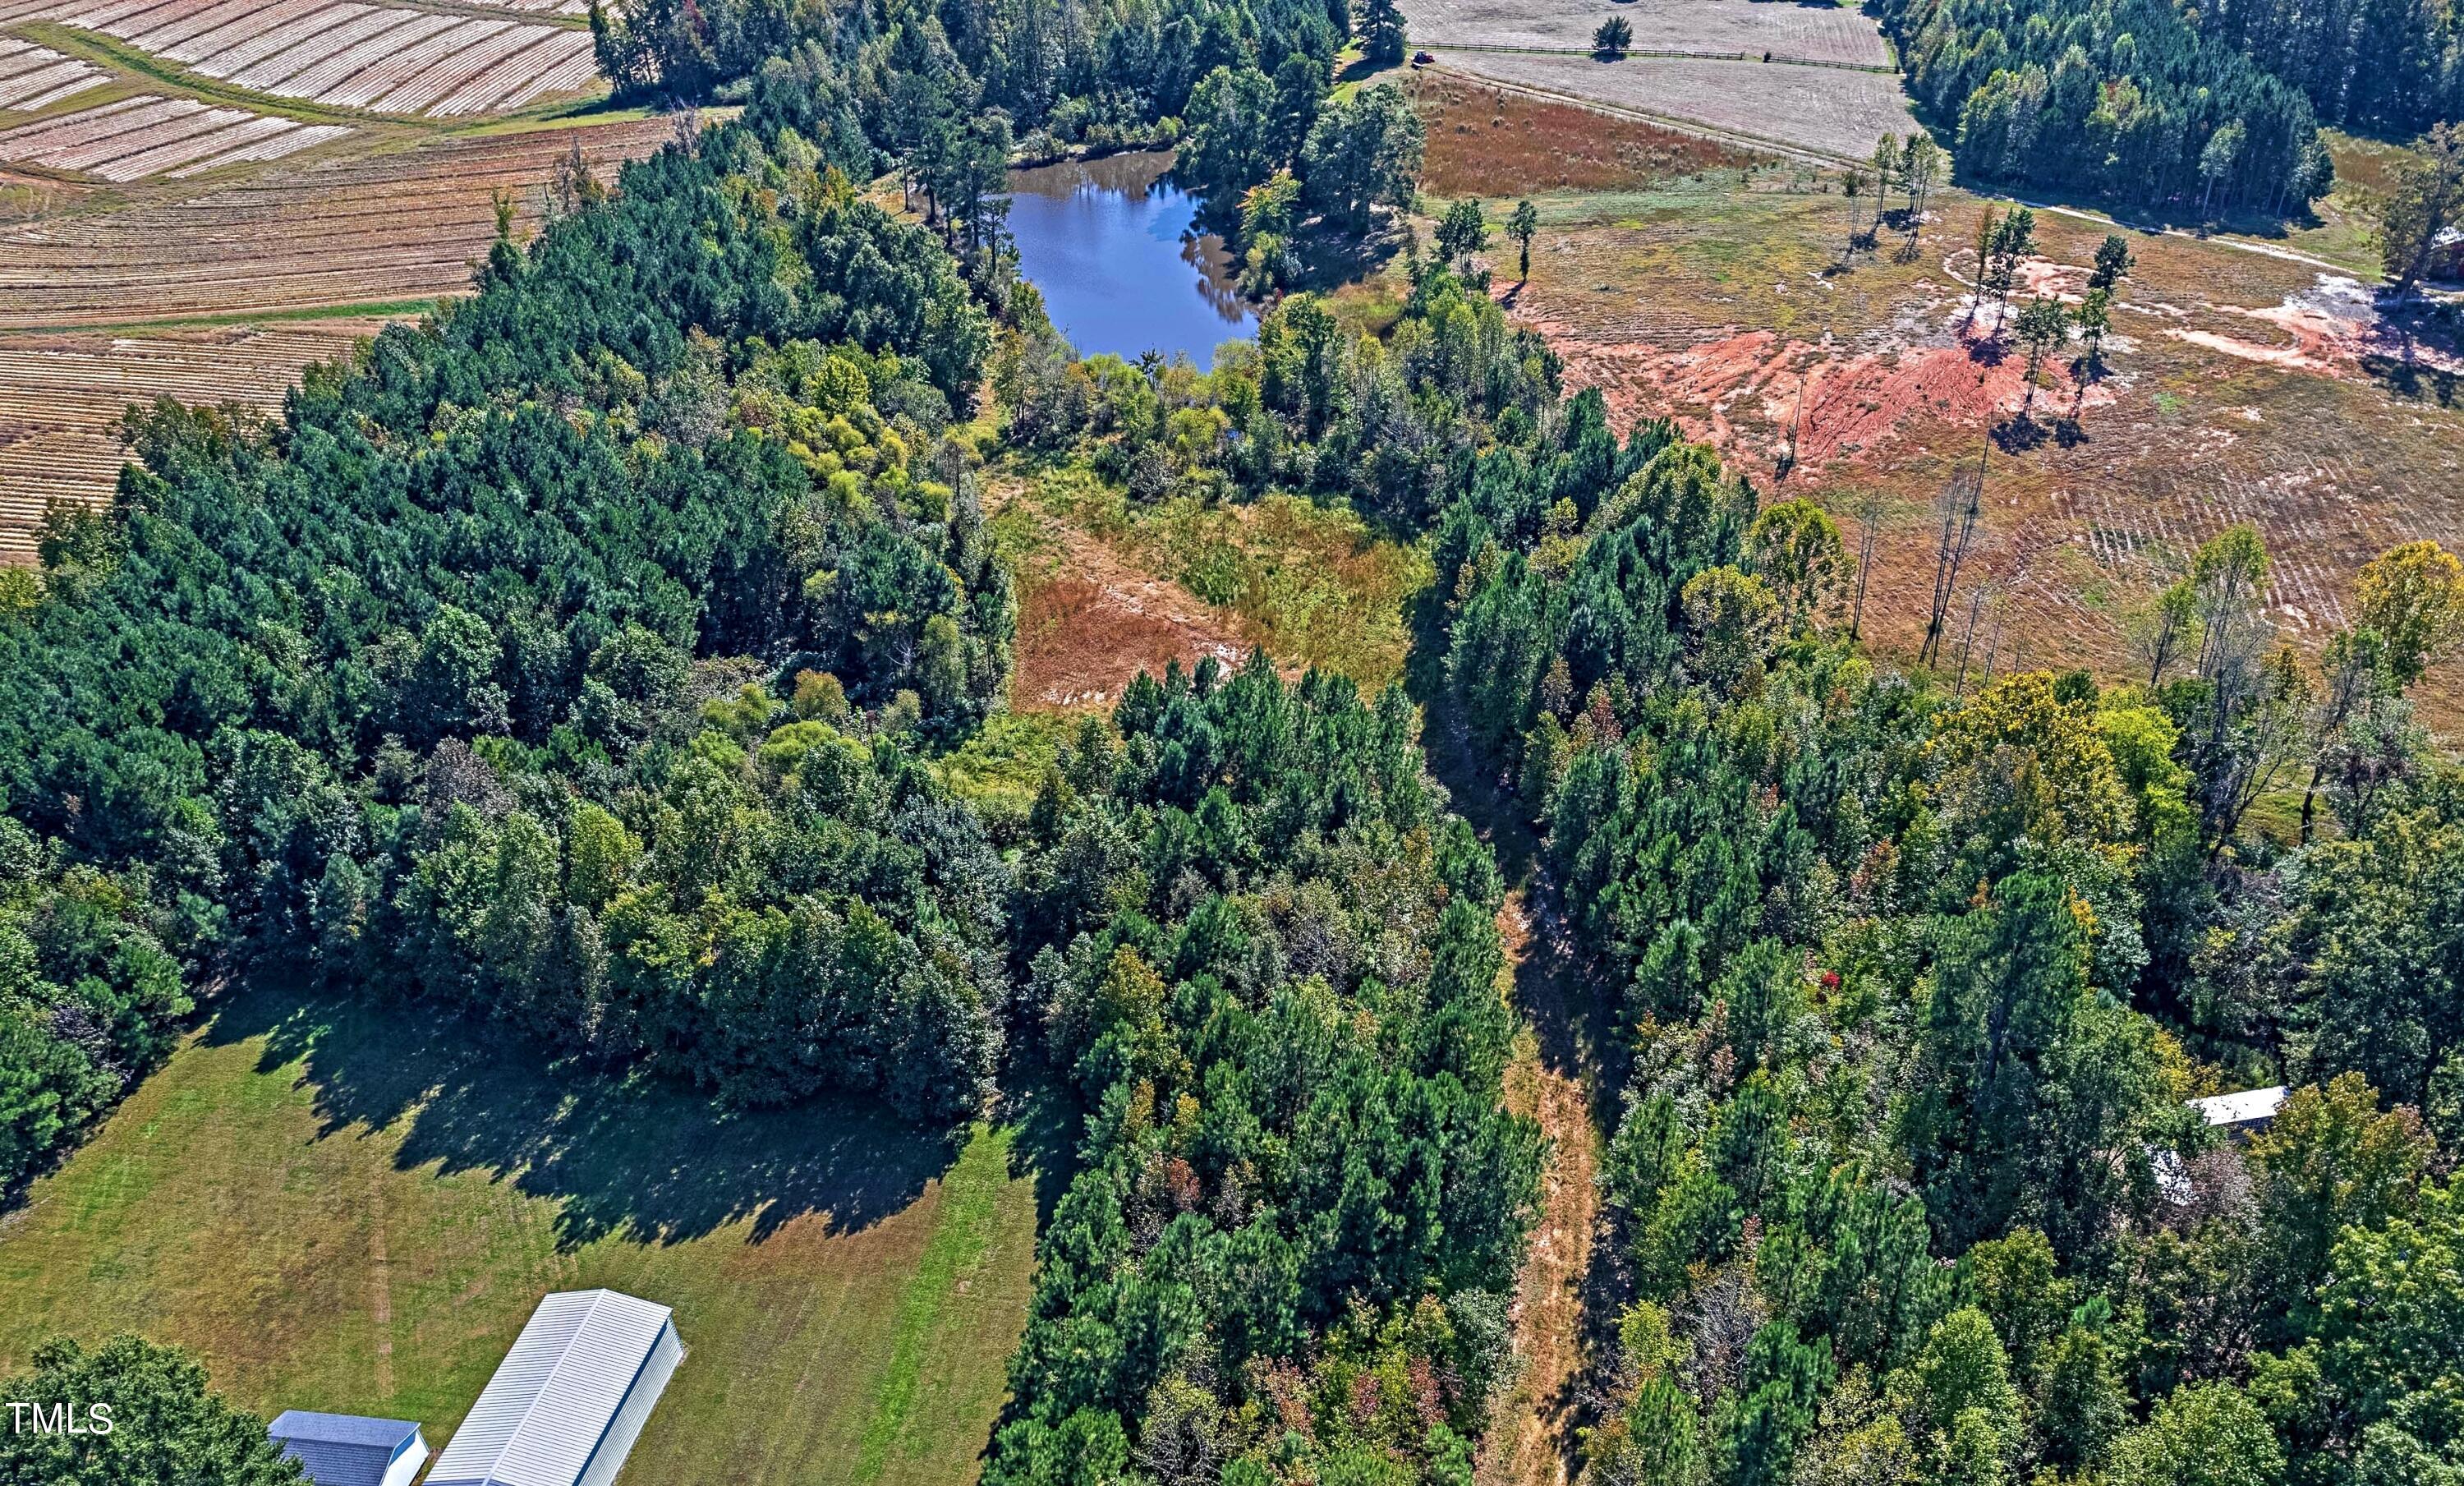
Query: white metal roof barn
(568,1400)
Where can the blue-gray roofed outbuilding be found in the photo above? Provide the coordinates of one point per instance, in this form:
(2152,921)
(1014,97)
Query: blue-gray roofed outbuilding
(345,1450)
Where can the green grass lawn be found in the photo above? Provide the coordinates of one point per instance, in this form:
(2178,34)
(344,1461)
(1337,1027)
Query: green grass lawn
(355,1210)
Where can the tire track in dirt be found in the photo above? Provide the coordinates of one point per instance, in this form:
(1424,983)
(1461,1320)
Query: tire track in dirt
(1532,1437)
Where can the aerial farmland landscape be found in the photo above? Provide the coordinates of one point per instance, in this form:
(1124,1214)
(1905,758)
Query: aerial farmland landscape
(1231,743)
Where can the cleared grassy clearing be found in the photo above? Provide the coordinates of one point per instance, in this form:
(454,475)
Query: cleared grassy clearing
(355,1210)
(1811,33)
(1311,584)
(1832,111)
(1721,305)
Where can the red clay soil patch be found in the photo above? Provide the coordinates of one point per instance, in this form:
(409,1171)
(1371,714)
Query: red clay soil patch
(2296,403)
(1485,141)
(1080,640)
(1746,392)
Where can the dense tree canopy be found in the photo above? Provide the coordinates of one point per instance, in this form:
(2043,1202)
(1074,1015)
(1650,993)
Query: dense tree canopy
(145,1418)
(1268,958)
(2137,101)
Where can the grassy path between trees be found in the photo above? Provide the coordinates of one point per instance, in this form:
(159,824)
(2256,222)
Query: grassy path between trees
(1562,1297)
(1532,1435)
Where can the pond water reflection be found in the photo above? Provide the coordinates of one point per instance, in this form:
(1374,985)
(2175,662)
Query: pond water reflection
(1111,244)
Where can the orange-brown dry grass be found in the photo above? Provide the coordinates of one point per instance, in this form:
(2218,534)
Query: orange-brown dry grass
(1080,640)
(1485,141)
(1088,621)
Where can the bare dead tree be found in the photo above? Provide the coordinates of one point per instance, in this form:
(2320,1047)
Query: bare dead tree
(1958,507)
(1869,521)
(1977,598)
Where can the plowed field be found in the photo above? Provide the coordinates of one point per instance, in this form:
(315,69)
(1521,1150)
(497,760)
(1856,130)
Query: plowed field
(62,396)
(392,230)
(376,227)
(387,60)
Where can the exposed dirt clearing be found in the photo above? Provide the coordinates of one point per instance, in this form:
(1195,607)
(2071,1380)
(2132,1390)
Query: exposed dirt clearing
(2281,401)
(2338,328)
(1760,398)
(1487,142)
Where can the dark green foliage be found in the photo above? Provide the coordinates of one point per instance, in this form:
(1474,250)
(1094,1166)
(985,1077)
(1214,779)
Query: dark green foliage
(89,998)
(1298,1192)
(2135,99)
(1904,1186)
(165,1427)
(1104,76)
(453,682)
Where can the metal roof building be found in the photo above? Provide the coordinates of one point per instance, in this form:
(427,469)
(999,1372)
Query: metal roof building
(568,1400)
(345,1450)
(2251,1109)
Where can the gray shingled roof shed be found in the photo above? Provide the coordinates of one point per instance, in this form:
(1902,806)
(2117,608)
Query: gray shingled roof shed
(569,1399)
(347,1449)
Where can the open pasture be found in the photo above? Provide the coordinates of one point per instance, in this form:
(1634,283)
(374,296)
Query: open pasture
(144,135)
(1806,32)
(35,78)
(382,59)
(1833,112)
(354,1210)
(2236,386)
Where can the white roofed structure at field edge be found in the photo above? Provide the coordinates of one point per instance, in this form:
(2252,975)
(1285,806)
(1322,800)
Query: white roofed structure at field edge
(569,1399)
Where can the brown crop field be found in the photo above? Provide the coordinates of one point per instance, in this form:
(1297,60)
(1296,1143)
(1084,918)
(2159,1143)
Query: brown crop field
(393,231)
(384,58)
(1838,35)
(61,398)
(370,227)
(1487,142)
(1835,112)
(143,136)
(2236,386)
(33,78)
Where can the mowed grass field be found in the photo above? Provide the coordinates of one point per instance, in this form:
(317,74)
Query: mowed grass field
(355,1210)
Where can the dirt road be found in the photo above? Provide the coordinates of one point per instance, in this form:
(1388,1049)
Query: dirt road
(1532,1434)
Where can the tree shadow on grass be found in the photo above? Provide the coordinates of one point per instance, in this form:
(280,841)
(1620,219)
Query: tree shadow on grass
(655,1161)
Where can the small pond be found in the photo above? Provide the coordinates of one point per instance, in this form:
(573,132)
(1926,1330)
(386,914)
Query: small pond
(1111,244)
